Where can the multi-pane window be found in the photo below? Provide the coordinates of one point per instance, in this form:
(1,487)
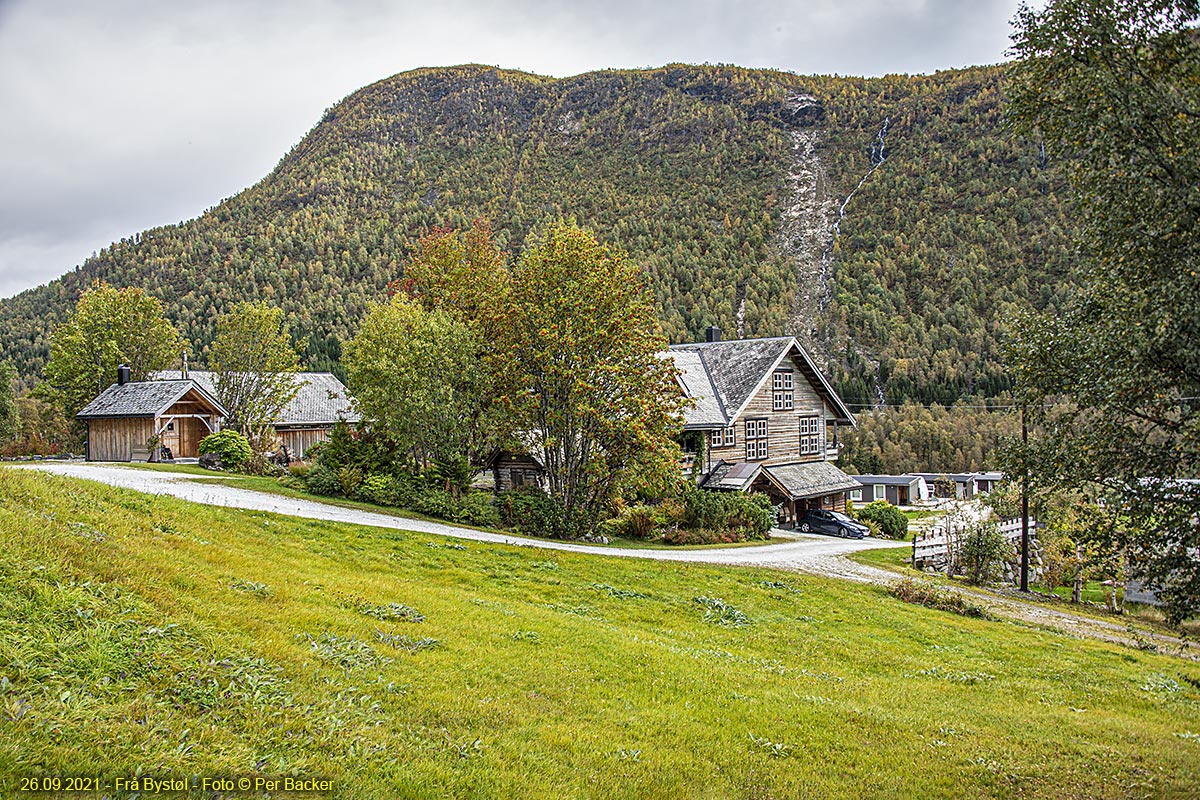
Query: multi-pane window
(724,438)
(781,383)
(756,439)
(810,436)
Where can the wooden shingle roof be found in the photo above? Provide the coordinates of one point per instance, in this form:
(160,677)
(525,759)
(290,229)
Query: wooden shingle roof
(321,399)
(735,370)
(145,399)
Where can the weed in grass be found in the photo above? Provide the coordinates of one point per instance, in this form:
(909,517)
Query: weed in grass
(718,612)
(492,604)
(931,595)
(621,594)
(446,545)
(399,641)
(85,531)
(239,680)
(250,587)
(526,636)
(781,586)
(773,749)
(575,611)
(346,652)
(1161,684)
(466,748)
(393,611)
(629,755)
(1195,737)
(952,676)
(548,566)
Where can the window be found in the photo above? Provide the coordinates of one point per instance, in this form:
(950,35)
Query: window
(781,382)
(856,495)
(810,436)
(517,478)
(724,439)
(756,439)
(880,492)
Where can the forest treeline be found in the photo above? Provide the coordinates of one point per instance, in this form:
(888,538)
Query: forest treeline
(683,167)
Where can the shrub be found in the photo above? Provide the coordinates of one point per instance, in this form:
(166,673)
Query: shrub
(532,511)
(892,523)
(930,595)
(374,489)
(322,480)
(437,503)
(230,446)
(981,551)
(349,478)
(478,508)
(726,516)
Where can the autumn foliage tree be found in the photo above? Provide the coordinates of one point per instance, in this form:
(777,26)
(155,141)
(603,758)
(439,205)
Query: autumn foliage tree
(415,372)
(108,327)
(584,379)
(256,364)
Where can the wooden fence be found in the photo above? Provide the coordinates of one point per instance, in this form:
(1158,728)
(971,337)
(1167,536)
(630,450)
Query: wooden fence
(933,548)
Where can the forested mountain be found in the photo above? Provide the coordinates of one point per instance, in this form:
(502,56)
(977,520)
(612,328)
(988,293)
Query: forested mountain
(892,223)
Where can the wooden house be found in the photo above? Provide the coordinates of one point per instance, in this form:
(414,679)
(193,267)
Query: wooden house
(769,421)
(321,400)
(899,490)
(129,418)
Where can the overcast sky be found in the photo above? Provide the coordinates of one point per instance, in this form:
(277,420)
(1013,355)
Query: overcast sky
(119,115)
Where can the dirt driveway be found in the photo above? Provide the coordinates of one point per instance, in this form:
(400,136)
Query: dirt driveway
(818,555)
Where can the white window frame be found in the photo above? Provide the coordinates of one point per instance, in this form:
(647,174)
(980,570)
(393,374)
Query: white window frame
(880,492)
(724,437)
(757,440)
(856,495)
(811,430)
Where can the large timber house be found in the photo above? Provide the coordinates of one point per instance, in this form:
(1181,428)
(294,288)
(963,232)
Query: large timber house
(763,418)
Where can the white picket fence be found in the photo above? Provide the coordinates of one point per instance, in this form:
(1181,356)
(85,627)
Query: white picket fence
(935,545)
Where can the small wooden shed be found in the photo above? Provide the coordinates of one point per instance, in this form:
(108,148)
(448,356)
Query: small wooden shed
(125,418)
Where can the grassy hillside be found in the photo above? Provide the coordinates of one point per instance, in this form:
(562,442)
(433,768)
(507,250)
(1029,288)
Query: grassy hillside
(142,633)
(697,171)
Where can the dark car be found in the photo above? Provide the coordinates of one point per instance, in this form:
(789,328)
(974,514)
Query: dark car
(816,521)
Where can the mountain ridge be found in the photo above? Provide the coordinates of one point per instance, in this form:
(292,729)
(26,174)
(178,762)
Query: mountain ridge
(697,172)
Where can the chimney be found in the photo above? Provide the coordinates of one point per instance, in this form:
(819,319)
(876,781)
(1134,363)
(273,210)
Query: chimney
(712,334)
(184,373)
(122,375)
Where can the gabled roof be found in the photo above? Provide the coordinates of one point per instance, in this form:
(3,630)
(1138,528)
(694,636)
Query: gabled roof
(693,379)
(321,399)
(736,372)
(145,399)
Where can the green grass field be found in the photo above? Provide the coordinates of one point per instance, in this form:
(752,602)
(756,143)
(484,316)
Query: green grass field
(143,634)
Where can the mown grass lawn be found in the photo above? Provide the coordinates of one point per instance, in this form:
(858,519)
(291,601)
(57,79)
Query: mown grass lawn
(146,634)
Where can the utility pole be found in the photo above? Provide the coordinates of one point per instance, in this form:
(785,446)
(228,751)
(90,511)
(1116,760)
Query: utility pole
(1024,504)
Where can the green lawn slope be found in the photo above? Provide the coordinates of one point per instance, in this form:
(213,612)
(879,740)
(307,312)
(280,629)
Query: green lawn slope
(143,634)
